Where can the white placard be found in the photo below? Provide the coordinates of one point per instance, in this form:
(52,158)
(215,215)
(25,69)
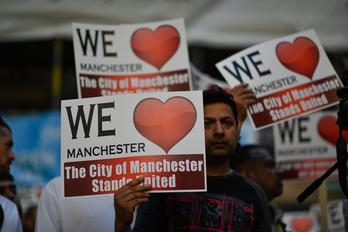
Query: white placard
(108,141)
(290,76)
(305,147)
(132,58)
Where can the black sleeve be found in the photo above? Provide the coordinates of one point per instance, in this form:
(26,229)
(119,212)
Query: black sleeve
(151,215)
(263,219)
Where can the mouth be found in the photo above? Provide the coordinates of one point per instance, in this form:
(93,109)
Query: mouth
(219,144)
(5,170)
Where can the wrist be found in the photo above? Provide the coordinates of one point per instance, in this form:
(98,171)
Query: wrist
(123,228)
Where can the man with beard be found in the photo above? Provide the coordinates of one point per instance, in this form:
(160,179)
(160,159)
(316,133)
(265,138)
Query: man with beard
(231,203)
(11,220)
(256,162)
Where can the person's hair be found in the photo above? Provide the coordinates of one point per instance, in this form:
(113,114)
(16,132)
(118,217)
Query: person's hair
(4,124)
(216,94)
(244,154)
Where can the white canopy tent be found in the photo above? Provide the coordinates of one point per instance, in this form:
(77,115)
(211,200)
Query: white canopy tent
(215,23)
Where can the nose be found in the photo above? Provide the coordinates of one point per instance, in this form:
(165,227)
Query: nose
(219,129)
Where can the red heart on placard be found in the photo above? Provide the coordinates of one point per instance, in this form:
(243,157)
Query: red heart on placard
(302,56)
(301,224)
(329,130)
(165,124)
(155,47)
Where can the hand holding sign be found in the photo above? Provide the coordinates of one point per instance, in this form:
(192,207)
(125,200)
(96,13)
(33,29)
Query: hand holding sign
(243,96)
(126,199)
(290,76)
(165,124)
(95,161)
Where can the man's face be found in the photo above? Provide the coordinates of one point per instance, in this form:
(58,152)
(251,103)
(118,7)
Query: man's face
(265,174)
(220,130)
(6,153)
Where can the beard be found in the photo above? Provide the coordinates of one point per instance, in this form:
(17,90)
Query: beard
(4,175)
(4,172)
(220,151)
(218,154)
(215,160)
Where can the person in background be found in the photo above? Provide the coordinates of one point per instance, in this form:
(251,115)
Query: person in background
(256,162)
(10,217)
(228,193)
(79,214)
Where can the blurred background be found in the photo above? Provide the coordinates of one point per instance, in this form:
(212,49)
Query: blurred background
(37,69)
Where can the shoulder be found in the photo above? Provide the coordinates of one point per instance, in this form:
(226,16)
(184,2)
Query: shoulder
(56,181)
(234,178)
(7,205)
(52,190)
(241,187)
(54,185)
(248,182)
(255,193)
(11,217)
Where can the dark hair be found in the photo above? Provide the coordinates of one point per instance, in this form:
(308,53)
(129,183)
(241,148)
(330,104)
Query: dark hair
(4,124)
(216,94)
(245,153)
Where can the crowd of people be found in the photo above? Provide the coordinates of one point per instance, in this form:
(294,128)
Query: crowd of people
(241,183)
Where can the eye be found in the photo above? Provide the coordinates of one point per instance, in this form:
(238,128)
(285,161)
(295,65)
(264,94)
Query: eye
(9,145)
(208,124)
(227,123)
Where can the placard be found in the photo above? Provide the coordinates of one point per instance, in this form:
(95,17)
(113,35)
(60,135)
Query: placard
(132,58)
(108,141)
(291,76)
(305,147)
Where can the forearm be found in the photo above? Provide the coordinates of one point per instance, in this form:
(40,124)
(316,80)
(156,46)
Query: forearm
(121,227)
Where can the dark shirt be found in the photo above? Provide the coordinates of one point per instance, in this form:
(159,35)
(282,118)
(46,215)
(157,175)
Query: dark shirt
(231,203)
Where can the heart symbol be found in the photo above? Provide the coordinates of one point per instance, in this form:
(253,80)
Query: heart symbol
(302,56)
(165,124)
(301,224)
(155,47)
(329,130)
